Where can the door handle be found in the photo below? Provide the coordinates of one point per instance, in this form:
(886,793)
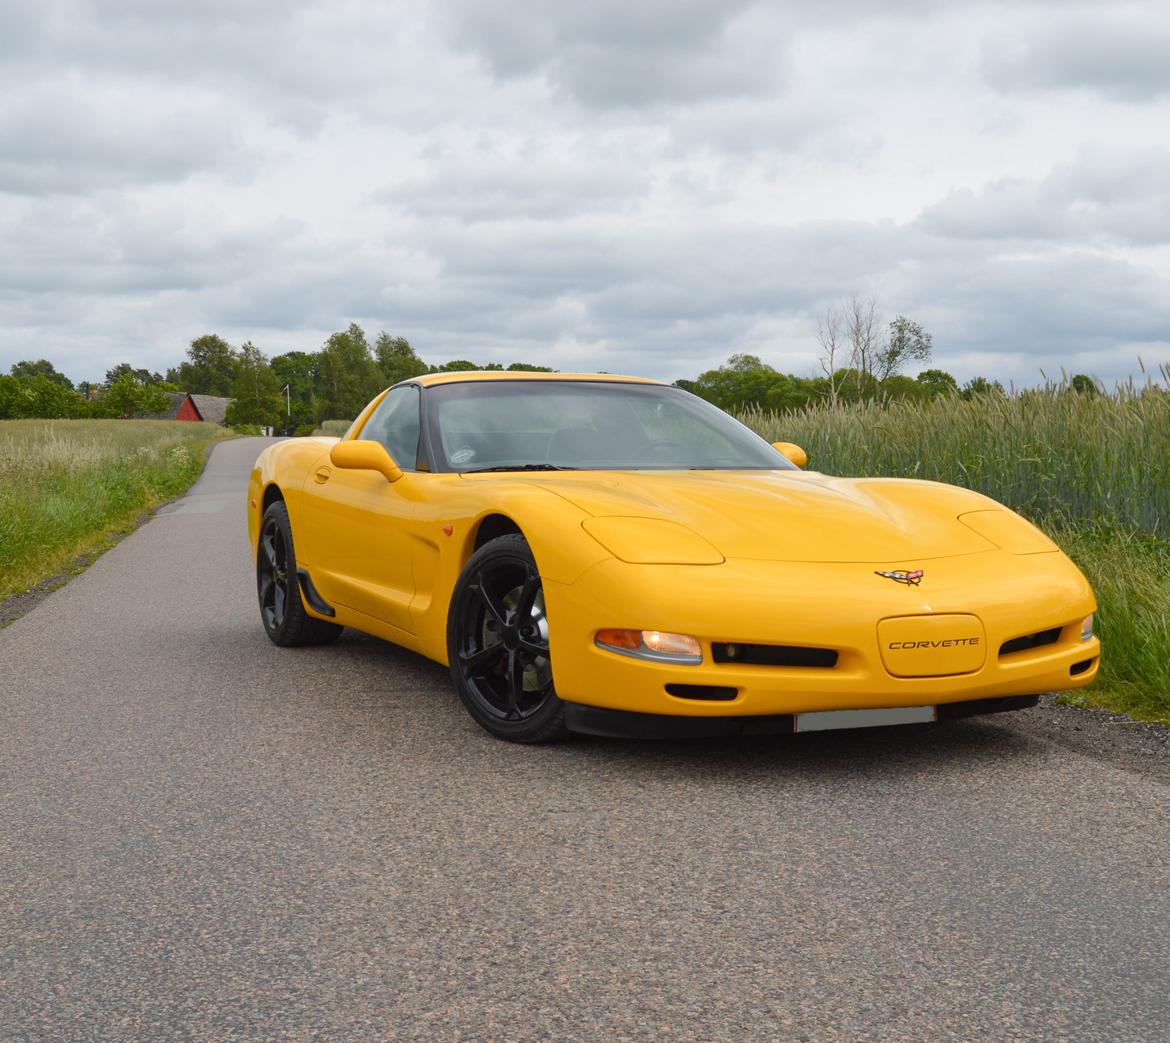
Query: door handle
(322,475)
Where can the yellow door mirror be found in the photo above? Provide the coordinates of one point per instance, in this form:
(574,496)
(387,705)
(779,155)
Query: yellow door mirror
(794,453)
(363,455)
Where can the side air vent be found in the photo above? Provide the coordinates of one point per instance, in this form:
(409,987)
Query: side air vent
(773,655)
(709,692)
(1030,641)
(1081,667)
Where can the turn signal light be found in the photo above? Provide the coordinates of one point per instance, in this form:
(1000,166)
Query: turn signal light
(1087,628)
(652,644)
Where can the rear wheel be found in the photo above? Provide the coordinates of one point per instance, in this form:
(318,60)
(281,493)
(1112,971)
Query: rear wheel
(278,588)
(497,642)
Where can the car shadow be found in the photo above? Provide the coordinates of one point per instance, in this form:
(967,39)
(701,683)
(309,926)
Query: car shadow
(901,749)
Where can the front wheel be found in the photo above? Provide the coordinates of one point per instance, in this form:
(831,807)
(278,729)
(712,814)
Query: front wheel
(278,586)
(497,642)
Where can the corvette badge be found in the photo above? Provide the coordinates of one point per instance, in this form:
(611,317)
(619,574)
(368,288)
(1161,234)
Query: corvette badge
(911,579)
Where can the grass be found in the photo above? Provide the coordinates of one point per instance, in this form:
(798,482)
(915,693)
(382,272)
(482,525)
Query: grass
(335,428)
(69,487)
(1094,472)
(1131,577)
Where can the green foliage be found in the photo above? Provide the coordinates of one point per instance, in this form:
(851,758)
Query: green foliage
(27,370)
(65,485)
(39,396)
(1130,574)
(397,359)
(345,375)
(211,367)
(906,342)
(938,382)
(455,366)
(126,396)
(296,370)
(143,376)
(333,428)
(255,393)
(981,387)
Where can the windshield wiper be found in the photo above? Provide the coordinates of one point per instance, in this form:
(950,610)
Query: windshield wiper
(521,467)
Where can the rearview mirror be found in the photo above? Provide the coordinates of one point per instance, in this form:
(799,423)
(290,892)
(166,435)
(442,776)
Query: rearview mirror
(794,453)
(363,455)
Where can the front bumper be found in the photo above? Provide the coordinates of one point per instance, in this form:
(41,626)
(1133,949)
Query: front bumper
(622,724)
(813,605)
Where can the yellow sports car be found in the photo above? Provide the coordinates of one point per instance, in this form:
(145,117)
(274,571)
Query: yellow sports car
(613,555)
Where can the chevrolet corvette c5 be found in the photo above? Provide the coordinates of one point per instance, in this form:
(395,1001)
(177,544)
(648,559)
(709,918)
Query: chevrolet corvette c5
(614,555)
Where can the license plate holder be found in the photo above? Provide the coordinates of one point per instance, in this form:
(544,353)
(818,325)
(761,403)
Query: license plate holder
(830,720)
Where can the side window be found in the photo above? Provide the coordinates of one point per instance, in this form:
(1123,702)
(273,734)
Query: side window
(395,423)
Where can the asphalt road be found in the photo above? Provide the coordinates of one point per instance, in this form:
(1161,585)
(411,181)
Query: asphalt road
(207,837)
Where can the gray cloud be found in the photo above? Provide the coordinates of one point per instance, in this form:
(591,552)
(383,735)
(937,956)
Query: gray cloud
(612,53)
(645,187)
(1108,196)
(1121,52)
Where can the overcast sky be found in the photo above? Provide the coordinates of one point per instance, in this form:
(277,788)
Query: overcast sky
(643,186)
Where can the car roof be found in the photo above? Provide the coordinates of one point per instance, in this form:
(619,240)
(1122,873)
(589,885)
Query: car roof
(456,376)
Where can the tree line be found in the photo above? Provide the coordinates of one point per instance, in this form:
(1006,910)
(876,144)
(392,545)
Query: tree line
(860,357)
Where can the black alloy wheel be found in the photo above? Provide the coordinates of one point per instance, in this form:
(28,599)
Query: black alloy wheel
(498,644)
(272,575)
(278,587)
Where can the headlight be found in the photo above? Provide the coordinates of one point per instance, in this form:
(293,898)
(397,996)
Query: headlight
(1087,627)
(651,541)
(656,645)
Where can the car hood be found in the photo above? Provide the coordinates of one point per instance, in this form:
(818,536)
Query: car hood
(789,515)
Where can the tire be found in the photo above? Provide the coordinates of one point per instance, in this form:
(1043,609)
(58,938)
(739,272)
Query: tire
(278,589)
(497,643)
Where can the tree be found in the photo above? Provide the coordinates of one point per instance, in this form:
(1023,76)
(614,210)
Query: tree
(397,359)
(143,376)
(981,386)
(26,370)
(906,342)
(528,367)
(1083,384)
(830,337)
(850,337)
(742,381)
(863,331)
(125,396)
(938,382)
(455,366)
(295,368)
(210,369)
(39,396)
(255,392)
(345,376)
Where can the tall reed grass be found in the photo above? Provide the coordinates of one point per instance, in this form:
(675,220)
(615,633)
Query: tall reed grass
(1094,471)
(1050,453)
(67,485)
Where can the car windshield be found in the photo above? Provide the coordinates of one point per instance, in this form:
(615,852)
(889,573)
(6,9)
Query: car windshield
(482,425)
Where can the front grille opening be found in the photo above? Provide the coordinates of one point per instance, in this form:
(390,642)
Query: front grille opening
(1081,667)
(1029,641)
(773,655)
(708,692)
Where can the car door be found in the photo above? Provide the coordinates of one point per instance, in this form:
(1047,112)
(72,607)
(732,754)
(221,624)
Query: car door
(357,523)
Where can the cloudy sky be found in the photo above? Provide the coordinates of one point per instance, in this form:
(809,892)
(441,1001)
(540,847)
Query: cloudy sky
(640,186)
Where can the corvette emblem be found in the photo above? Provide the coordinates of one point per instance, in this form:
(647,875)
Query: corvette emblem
(911,579)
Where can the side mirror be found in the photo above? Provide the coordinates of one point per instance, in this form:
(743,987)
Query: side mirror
(794,453)
(362,455)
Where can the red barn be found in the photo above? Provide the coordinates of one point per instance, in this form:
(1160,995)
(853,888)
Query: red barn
(185,406)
